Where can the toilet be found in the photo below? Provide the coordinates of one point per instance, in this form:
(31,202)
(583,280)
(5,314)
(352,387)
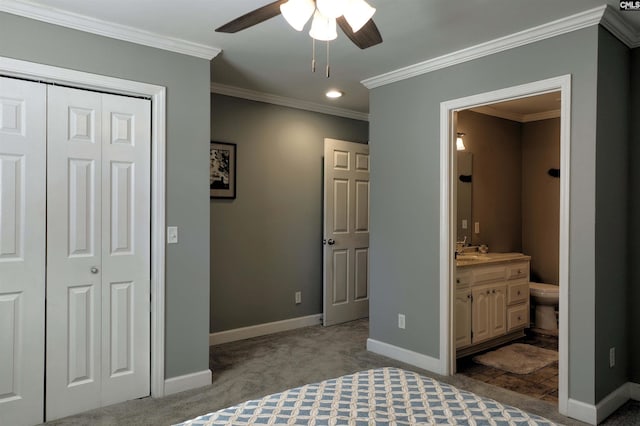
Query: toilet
(545,298)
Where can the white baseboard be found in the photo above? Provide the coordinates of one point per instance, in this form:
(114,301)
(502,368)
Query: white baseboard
(634,390)
(594,414)
(263,329)
(612,402)
(186,382)
(405,355)
(582,411)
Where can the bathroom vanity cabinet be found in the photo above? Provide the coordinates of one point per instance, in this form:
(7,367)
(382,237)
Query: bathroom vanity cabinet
(491,301)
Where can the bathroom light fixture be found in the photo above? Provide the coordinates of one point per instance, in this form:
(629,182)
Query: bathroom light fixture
(325,12)
(333,94)
(460,143)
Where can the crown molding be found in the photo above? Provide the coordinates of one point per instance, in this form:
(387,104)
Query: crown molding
(561,26)
(108,29)
(514,116)
(613,21)
(252,95)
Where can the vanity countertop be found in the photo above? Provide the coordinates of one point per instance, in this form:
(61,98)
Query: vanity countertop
(486,258)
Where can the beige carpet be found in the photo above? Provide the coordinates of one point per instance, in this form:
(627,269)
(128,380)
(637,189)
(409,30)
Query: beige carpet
(518,358)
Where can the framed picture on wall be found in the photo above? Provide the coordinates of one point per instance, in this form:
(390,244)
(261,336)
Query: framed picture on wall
(222,170)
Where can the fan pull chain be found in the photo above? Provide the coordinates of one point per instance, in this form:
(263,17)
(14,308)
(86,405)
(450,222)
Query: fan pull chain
(313,60)
(328,67)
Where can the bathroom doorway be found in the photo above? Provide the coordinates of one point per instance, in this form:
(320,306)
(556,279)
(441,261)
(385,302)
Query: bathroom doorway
(502,128)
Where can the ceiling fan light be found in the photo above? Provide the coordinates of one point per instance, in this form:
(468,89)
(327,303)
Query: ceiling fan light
(330,8)
(357,13)
(297,12)
(323,28)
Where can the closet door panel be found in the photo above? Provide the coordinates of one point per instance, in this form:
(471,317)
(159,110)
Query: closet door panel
(22,250)
(126,248)
(74,309)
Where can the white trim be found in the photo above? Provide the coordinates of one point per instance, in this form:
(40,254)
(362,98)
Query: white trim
(581,411)
(594,414)
(404,355)
(613,21)
(108,29)
(186,382)
(514,116)
(447,201)
(612,402)
(46,73)
(633,390)
(252,95)
(263,329)
(551,29)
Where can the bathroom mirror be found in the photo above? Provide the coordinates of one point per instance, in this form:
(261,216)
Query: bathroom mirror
(464,179)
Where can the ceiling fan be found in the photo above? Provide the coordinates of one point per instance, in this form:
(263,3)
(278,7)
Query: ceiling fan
(352,16)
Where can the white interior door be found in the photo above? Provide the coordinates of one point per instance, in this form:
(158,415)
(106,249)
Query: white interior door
(22,250)
(98,250)
(346,231)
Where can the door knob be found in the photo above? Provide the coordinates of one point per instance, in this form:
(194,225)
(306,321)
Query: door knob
(94,270)
(331,241)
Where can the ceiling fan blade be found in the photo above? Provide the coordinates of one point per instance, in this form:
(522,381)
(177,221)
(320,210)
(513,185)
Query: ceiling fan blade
(367,36)
(252,18)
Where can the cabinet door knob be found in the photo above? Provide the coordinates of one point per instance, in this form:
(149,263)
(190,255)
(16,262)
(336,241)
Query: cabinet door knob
(458,280)
(519,318)
(488,291)
(94,270)
(518,292)
(493,291)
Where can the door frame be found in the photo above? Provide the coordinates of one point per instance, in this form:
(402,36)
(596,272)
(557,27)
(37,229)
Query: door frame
(83,80)
(448,221)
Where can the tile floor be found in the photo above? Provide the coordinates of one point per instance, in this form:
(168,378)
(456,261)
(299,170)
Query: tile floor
(541,384)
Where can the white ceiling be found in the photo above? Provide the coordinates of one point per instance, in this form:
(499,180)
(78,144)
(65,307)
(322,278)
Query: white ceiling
(275,59)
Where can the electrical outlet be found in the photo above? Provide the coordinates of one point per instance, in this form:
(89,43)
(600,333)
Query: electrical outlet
(172,234)
(477,228)
(401,321)
(612,357)
(298,297)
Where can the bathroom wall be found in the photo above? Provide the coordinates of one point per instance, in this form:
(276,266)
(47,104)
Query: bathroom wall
(267,243)
(541,198)
(496,148)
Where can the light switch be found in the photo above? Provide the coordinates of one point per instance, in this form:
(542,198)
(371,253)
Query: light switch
(464,223)
(477,228)
(172,234)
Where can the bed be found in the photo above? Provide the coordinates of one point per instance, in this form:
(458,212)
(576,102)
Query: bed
(384,396)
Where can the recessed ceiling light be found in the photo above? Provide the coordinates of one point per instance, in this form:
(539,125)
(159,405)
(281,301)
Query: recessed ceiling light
(334,94)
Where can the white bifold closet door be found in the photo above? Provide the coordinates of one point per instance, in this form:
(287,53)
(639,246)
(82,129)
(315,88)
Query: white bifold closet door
(22,250)
(98,250)
(74,227)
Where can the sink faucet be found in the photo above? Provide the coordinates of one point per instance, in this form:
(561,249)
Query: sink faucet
(459,246)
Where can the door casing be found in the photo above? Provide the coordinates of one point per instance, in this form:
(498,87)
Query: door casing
(33,71)
(448,218)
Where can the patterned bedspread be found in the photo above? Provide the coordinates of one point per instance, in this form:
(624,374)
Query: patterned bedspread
(385,396)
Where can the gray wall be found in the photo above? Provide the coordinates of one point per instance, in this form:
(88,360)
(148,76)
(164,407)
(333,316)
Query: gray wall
(541,198)
(187,82)
(405,154)
(634,224)
(267,243)
(497,174)
(611,212)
